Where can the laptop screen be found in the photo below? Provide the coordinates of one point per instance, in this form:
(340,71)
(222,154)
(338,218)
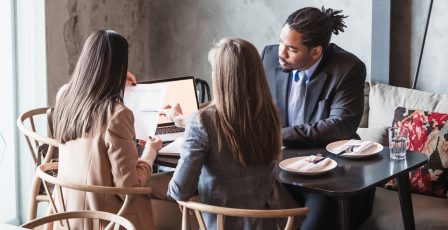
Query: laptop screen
(178,90)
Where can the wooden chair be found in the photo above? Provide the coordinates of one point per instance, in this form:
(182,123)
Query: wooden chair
(235,212)
(118,221)
(128,192)
(42,148)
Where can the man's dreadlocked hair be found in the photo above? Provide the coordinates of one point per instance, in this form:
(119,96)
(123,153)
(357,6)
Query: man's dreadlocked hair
(316,26)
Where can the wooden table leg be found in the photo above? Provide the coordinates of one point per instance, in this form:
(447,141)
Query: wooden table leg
(404,193)
(344,213)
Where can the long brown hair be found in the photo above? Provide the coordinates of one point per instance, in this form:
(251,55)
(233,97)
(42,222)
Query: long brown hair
(244,115)
(97,83)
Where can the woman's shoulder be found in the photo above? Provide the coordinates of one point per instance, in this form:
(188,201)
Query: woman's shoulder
(119,115)
(200,123)
(120,122)
(120,107)
(61,91)
(120,110)
(199,118)
(206,113)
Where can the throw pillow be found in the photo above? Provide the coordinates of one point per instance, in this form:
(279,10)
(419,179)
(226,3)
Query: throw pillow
(376,134)
(428,133)
(383,99)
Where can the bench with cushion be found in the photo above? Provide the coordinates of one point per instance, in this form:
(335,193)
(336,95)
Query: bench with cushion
(424,114)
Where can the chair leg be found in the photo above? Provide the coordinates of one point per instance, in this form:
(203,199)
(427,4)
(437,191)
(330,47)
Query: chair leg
(290,223)
(32,213)
(49,226)
(220,222)
(185,222)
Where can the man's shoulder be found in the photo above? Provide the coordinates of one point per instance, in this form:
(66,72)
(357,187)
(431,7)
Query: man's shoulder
(270,51)
(338,60)
(341,54)
(270,56)
(271,48)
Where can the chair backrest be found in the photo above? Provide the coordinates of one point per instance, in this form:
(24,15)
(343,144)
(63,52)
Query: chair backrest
(39,144)
(114,219)
(42,147)
(235,212)
(42,173)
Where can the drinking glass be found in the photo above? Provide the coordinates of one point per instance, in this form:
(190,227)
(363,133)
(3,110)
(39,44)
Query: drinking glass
(398,138)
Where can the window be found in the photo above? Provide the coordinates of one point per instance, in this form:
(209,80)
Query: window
(31,84)
(8,166)
(23,87)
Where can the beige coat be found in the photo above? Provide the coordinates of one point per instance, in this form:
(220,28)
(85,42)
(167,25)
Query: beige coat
(108,158)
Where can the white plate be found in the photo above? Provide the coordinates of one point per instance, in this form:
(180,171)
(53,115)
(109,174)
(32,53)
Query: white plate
(284,163)
(334,148)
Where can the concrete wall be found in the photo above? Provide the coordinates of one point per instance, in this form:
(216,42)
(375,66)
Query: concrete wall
(407,26)
(432,76)
(171,38)
(70,22)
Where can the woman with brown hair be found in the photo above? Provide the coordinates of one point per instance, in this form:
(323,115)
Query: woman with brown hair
(232,146)
(96,133)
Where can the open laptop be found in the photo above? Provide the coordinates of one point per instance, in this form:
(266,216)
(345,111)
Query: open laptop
(180,90)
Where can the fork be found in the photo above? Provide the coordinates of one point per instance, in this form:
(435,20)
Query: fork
(321,159)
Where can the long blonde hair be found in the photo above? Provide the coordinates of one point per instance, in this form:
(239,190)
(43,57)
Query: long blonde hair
(97,83)
(244,116)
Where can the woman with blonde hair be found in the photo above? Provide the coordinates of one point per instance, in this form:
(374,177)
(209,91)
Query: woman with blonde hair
(96,133)
(232,146)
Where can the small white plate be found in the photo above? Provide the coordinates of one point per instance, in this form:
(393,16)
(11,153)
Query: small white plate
(334,148)
(284,163)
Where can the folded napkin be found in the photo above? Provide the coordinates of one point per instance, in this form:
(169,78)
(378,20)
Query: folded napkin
(307,165)
(364,145)
(360,147)
(347,144)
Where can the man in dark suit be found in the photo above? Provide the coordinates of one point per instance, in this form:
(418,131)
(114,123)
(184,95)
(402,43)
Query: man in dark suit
(318,88)
(333,101)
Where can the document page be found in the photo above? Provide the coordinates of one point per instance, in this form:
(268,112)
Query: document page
(173,148)
(146,102)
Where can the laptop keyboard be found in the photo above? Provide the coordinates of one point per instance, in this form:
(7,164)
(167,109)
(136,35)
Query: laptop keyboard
(169,129)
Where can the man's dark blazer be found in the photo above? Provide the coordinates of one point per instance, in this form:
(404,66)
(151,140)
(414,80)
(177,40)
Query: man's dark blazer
(334,99)
(334,103)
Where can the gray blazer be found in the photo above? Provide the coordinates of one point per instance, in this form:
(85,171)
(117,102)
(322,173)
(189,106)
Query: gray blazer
(222,181)
(334,100)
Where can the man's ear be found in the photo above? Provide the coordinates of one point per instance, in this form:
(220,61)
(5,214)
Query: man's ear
(316,52)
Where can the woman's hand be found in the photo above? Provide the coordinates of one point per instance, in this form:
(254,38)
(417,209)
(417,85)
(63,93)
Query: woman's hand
(153,144)
(150,152)
(131,79)
(172,111)
(175,114)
